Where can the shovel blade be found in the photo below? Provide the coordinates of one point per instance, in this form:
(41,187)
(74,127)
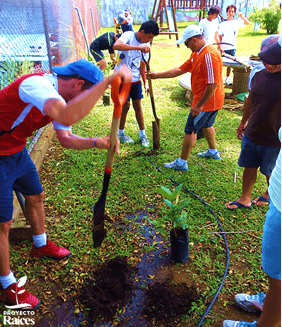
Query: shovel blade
(156,134)
(98,222)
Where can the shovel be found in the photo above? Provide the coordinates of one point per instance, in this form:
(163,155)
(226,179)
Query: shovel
(235,59)
(156,124)
(119,93)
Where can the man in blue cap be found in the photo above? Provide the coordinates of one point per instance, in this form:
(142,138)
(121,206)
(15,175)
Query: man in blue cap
(29,103)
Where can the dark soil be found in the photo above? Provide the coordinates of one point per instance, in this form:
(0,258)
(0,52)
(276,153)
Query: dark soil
(167,301)
(109,289)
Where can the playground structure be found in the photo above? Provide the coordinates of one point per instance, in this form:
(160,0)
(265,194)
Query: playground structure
(169,8)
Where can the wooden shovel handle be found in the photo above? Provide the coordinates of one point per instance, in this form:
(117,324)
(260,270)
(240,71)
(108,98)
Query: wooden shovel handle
(235,59)
(119,94)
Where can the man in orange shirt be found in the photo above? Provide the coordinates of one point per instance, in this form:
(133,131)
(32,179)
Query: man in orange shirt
(205,65)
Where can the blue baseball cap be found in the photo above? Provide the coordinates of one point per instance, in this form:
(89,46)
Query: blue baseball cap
(84,68)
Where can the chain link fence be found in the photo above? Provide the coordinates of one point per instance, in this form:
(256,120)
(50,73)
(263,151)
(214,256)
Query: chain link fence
(38,34)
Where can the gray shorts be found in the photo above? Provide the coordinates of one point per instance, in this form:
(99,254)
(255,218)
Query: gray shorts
(253,156)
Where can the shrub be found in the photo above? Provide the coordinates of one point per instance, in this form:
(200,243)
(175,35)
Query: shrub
(269,17)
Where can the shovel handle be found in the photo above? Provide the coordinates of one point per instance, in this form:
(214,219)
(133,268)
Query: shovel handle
(235,59)
(150,85)
(119,94)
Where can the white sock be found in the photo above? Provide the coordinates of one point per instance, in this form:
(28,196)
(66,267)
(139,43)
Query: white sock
(181,162)
(142,132)
(7,280)
(213,151)
(120,132)
(39,240)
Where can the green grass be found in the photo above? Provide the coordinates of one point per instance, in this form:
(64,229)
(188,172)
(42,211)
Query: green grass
(73,182)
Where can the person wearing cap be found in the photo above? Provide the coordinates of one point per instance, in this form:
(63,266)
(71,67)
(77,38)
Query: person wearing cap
(125,21)
(27,104)
(104,42)
(130,47)
(205,65)
(259,126)
(210,25)
(227,33)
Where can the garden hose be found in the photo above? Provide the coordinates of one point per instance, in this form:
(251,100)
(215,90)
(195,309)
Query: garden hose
(222,233)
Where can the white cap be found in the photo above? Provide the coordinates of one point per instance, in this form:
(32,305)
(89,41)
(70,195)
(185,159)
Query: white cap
(190,31)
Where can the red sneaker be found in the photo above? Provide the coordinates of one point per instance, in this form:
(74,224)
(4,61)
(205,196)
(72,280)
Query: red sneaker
(18,298)
(50,250)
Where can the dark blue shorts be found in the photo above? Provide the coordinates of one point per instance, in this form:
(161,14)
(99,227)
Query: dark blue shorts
(17,172)
(97,54)
(231,52)
(135,91)
(204,120)
(253,156)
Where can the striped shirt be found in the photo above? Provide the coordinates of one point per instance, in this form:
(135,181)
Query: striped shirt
(206,68)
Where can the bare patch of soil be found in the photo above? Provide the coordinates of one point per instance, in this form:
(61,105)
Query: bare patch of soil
(108,290)
(167,301)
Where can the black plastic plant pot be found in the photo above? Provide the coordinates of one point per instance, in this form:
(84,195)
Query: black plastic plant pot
(179,245)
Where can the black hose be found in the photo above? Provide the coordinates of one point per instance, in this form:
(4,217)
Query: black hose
(223,235)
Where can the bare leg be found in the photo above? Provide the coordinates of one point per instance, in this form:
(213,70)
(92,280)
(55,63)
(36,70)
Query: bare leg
(228,71)
(271,314)
(209,134)
(102,64)
(265,195)
(139,113)
(124,112)
(188,144)
(249,180)
(4,248)
(35,212)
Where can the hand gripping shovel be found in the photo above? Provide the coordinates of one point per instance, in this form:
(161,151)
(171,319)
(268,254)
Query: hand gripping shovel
(119,93)
(156,123)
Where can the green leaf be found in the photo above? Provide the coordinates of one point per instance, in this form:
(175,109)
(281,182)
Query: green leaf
(176,192)
(169,203)
(165,192)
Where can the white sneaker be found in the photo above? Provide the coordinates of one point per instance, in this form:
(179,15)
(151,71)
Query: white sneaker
(227,81)
(144,140)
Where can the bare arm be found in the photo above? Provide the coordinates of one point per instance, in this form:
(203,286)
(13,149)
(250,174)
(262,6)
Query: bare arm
(167,74)
(246,116)
(209,91)
(245,19)
(80,106)
(143,72)
(125,47)
(71,141)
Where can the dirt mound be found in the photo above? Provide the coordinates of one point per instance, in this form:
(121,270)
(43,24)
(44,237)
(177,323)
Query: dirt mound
(109,289)
(167,301)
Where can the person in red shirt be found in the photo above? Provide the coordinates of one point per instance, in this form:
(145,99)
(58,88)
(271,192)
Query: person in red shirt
(27,104)
(205,65)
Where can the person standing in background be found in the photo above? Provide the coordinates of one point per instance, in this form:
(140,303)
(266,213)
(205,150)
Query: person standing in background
(210,25)
(227,33)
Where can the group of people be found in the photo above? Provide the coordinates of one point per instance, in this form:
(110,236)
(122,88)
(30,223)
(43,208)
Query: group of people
(223,33)
(69,94)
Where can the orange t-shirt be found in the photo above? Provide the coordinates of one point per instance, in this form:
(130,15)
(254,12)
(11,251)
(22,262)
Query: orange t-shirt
(206,68)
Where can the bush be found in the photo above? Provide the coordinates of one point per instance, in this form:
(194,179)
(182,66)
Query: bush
(269,17)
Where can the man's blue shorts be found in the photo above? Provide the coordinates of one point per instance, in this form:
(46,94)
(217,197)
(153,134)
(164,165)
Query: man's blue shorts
(135,91)
(253,156)
(204,120)
(271,243)
(17,172)
(97,54)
